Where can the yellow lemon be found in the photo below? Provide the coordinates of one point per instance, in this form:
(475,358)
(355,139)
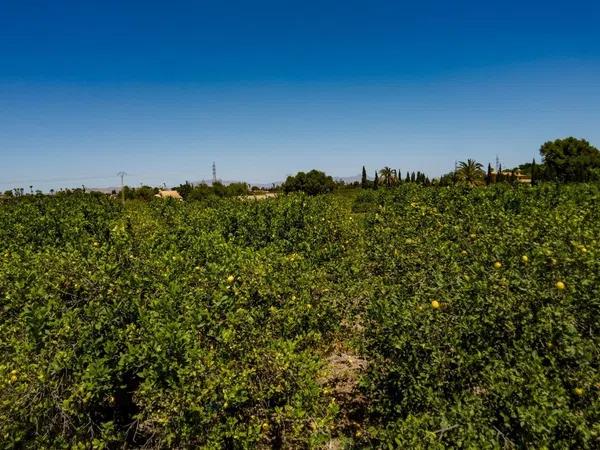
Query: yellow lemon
(525,259)
(230,279)
(579,392)
(560,285)
(497,264)
(435,304)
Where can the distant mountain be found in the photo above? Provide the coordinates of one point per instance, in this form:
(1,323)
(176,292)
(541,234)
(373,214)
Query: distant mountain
(348,180)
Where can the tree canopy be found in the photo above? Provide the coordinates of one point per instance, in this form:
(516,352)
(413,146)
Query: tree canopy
(313,183)
(471,172)
(570,159)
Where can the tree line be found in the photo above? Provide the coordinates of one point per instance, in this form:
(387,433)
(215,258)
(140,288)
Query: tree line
(563,161)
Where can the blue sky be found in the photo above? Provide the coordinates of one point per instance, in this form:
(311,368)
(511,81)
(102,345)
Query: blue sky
(265,88)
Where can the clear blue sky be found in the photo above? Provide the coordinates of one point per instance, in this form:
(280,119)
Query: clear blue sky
(267,88)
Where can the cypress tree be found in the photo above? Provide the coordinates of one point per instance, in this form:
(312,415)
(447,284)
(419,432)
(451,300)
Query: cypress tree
(499,176)
(488,177)
(376,181)
(413,177)
(533,173)
(363,180)
(407,179)
(399,176)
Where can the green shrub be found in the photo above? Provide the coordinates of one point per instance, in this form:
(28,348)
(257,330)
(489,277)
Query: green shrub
(208,324)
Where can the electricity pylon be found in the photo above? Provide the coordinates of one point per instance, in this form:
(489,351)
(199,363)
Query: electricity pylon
(122,175)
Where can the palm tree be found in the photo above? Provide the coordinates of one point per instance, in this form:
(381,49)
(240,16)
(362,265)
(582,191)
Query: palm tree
(471,172)
(388,175)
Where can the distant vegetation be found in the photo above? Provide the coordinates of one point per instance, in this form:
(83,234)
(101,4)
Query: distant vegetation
(563,161)
(217,190)
(311,183)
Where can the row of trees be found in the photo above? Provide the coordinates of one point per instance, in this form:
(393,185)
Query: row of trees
(388,177)
(564,160)
(20,192)
(189,191)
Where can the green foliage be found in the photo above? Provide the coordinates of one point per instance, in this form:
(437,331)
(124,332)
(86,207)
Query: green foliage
(209,324)
(142,193)
(570,159)
(204,192)
(470,172)
(366,201)
(502,359)
(312,183)
(125,326)
(364,181)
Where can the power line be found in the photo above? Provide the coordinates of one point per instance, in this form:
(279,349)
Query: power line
(33,181)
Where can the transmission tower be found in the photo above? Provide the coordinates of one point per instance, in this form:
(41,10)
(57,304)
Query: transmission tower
(214,171)
(122,175)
